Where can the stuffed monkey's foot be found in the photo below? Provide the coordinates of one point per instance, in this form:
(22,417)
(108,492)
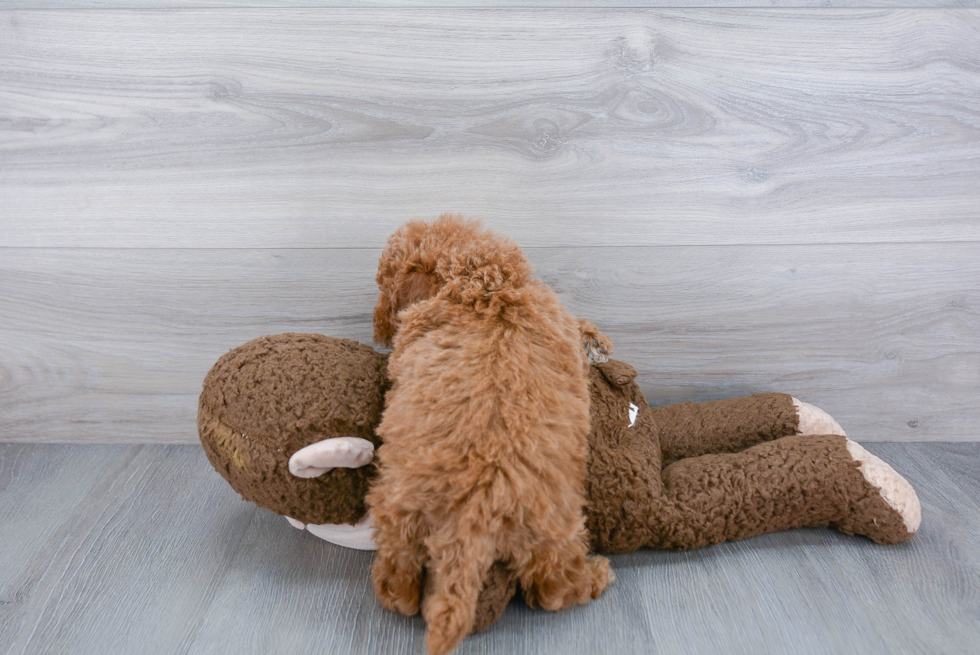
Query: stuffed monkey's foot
(905,514)
(814,420)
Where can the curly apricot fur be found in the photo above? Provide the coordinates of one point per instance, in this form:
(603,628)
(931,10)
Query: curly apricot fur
(485,450)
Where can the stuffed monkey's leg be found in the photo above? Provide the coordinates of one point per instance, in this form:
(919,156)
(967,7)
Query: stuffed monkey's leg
(724,426)
(798,481)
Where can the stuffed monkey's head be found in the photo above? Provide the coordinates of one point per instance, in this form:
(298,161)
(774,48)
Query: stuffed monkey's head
(289,421)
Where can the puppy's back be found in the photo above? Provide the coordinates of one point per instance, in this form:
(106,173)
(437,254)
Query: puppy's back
(479,389)
(485,430)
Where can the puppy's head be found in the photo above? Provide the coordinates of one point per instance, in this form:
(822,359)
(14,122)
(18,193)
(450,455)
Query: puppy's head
(450,255)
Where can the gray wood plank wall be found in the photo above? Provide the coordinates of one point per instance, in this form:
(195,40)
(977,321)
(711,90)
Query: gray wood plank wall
(744,200)
(584,4)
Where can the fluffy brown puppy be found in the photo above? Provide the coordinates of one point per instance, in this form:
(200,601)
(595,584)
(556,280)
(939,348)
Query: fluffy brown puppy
(485,430)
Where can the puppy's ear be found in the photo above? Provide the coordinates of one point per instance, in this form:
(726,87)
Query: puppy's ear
(414,287)
(418,286)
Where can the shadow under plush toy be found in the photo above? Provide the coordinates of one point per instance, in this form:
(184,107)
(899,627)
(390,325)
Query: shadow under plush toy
(289,421)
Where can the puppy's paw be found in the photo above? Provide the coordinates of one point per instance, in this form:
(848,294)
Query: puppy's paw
(601,574)
(396,590)
(404,601)
(577,585)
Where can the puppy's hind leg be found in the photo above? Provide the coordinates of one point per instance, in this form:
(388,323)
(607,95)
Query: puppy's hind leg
(399,562)
(562,576)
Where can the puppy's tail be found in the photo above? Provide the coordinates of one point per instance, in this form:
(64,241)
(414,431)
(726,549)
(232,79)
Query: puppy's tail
(457,572)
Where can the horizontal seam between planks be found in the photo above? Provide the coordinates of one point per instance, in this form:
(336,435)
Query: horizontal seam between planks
(485,8)
(380,246)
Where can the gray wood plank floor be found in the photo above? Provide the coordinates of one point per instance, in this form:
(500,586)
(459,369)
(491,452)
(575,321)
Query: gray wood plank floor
(145,549)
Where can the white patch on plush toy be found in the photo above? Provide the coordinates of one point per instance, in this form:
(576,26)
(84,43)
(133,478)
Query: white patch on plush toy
(814,420)
(895,489)
(633,410)
(358,536)
(299,525)
(322,456)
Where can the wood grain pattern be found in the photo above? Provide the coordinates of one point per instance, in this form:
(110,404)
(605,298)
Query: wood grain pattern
(327,128)
(122,565)
(391,4)
(112,346)
(146,549)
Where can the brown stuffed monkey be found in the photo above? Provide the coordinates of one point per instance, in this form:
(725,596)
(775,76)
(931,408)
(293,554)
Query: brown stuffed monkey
(289,421)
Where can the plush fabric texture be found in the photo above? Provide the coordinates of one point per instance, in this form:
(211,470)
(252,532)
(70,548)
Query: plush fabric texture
(723,426)
(781,482)
(287,391)
(793,482)
(270,397)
